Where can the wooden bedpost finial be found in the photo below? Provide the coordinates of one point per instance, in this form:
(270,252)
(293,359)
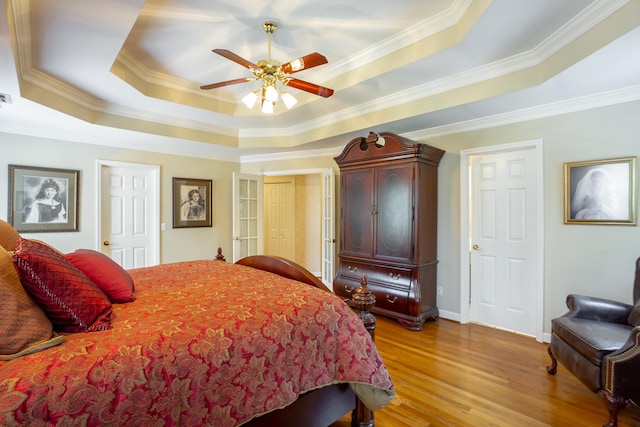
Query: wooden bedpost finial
(220,257)
(364,300)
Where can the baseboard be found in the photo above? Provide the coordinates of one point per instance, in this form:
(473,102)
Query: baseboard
(450,315)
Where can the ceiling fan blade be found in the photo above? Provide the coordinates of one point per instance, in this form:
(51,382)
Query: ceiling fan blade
(310,87)
(235,58)
(227,83)
(303,63)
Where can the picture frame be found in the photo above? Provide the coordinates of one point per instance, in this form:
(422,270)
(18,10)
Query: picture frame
(600,192)
(192,202)
(43,199)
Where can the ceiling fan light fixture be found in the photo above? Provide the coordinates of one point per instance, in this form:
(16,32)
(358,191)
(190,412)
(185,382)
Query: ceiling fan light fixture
(271,73)
(250,99)
(288,99)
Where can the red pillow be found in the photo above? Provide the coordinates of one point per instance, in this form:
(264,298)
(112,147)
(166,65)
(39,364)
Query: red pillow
(70,300)
(105,273)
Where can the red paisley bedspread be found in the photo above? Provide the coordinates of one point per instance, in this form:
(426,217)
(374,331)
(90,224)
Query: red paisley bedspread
(204,343)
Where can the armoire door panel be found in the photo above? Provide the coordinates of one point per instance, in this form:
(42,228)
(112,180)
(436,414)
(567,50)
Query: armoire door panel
(394,217)
(357,205)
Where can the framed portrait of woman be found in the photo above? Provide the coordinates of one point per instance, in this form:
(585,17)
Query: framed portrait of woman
(43,199)
(192,202)
(600,192)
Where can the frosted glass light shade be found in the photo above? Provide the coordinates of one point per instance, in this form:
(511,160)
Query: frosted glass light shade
(250,99)
(271,94)
(267,107)
(289,100)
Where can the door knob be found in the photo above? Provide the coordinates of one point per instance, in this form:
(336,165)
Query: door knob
(106,243)
(476,247)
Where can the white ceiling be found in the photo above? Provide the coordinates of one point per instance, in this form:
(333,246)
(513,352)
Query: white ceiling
(128,72)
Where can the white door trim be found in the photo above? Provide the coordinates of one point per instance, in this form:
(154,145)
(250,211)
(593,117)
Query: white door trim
(155,215)
(465,189)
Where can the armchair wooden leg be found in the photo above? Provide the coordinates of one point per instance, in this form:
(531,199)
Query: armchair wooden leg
(553,368)
(614,404)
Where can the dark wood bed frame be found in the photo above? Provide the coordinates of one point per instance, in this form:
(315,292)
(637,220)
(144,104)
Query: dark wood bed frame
(321,407)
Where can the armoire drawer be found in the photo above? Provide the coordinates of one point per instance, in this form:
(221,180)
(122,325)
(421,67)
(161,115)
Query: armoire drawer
(389,298)
(376,273)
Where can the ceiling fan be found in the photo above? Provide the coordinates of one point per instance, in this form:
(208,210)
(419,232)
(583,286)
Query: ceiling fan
(271,72)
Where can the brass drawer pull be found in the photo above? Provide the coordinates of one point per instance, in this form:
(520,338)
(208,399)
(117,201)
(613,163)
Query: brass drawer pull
(352,269)
(394,276)
(395,298)
(349,289)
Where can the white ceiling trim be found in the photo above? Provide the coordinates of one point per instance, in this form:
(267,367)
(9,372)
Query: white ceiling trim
(407,37)
(292,155)
(154,77)
(63,90)
(594,14)
(170,120)
(573,105)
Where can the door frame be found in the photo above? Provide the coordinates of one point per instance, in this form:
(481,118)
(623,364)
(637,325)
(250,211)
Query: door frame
(329,234)
(465,228)
(154,212)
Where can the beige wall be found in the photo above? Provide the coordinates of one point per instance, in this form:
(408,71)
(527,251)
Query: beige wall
(175,244)
(595,260)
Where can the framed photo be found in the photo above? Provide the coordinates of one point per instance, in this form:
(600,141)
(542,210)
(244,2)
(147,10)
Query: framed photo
(192,202)
(600,192)
(43,199)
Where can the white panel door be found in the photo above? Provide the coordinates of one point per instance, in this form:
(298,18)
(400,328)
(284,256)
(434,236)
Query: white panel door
(129,214)
(503,240)
(247,215)
(328,227)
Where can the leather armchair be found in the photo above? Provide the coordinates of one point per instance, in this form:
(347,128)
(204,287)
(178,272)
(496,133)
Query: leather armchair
(598,341)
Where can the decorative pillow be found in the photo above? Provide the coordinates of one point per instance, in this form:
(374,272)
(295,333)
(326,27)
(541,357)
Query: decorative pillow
(105,273)
(70,300)
(24,327)
(634,315)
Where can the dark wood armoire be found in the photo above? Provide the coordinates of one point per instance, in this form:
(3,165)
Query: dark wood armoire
(388,225)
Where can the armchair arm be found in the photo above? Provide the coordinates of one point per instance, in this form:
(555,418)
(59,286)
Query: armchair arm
(601,309)
(620,371)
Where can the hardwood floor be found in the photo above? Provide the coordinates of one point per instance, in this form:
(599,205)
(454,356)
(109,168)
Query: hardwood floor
(470,375)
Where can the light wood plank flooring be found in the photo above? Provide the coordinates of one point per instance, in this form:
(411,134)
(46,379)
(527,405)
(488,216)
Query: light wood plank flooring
(470,375)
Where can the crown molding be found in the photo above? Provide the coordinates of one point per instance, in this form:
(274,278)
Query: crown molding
(603,99)
(292,155)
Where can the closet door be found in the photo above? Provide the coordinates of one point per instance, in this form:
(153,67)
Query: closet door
(394,213)
(356,194)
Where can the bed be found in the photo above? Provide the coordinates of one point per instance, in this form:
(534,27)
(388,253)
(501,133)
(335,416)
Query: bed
(202,342)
